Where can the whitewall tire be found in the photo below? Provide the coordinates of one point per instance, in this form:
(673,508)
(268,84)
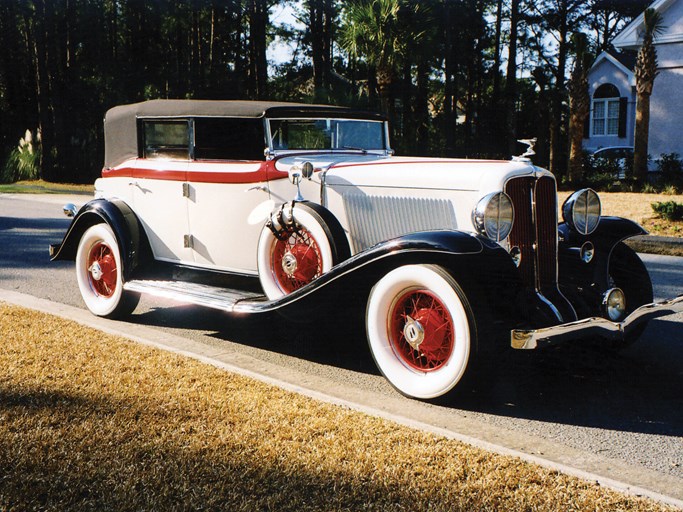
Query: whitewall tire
(421,330)
(99,272)
(299,254)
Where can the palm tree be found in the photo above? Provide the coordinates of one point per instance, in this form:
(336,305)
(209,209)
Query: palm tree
(579,105)
(372,30)
(645,72)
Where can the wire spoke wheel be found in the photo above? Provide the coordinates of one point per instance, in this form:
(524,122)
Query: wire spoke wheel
(296,260)
(99,273)
(102,270)
(421,330)
(300,250)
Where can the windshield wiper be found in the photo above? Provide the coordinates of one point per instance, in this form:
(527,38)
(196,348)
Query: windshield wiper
(352,148)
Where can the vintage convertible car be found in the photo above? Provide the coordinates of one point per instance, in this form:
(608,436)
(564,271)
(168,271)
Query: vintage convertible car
(254,207)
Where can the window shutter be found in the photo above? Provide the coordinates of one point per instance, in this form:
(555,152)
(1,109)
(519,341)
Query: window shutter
(623,104)
(587,126)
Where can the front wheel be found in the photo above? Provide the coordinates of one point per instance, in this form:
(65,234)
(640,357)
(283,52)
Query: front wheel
(627,272)
(421,330)
(100,274)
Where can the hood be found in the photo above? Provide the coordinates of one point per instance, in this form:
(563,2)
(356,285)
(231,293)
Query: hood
(379,171)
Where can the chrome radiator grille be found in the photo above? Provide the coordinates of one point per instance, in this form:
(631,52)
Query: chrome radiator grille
(535,229)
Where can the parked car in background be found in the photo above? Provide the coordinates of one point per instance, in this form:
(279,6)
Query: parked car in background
(256,207)
(616,159)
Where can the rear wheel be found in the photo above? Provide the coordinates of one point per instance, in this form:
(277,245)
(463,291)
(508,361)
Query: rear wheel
(100,274)
(421,330)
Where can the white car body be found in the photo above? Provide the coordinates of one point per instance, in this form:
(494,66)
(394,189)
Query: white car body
(257,208)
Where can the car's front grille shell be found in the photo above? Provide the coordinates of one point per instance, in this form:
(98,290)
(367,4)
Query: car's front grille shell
(535,229)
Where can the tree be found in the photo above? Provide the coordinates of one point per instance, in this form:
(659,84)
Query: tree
(607,17)
(372,30)
(557,18)
(579,105)
(257,12)
(645,73)
(511,80)
(321,15)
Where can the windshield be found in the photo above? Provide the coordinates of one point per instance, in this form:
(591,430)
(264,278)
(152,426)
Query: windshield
(303,134)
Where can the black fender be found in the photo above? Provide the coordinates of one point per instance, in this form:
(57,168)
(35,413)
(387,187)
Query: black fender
(127,229)
(482,268)
(587,281)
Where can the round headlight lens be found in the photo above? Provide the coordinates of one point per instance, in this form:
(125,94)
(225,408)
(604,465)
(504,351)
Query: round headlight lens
(614,304)
(582,211)
(493,216)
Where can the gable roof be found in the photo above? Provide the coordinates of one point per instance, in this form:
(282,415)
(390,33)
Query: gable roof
(630,36)
(623,61)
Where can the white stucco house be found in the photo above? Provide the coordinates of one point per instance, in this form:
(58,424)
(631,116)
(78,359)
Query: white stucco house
(611,83)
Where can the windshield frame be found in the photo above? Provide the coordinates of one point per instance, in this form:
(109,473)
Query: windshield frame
(271,152)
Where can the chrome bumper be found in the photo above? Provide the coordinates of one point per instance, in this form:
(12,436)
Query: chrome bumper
(595,326)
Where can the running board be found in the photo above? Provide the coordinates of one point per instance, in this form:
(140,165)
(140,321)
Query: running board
(224,299)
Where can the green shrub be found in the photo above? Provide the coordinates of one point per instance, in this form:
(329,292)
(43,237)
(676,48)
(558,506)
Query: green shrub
(23,162)
(670,171)
(669,210)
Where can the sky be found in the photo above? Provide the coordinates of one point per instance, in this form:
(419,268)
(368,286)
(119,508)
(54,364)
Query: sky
(278,51)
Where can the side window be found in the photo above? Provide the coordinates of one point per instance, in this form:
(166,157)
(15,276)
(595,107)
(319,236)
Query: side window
(225,138)
(166,139)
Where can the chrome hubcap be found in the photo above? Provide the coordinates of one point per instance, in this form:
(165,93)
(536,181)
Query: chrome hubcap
(413,332)
(289,263)
(95,271)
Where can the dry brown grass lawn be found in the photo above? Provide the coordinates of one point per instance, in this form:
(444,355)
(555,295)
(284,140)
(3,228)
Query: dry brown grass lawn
(93,422)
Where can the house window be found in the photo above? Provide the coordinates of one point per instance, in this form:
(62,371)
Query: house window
(605,114)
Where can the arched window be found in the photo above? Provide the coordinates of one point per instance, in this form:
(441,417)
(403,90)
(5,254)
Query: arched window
(605,114)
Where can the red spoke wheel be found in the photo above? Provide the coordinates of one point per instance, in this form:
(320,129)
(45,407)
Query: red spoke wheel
(300,260)
(99,272)
(421,330)
(310,245)
(102,270)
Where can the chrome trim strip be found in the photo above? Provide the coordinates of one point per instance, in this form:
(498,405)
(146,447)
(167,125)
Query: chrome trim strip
(523,339)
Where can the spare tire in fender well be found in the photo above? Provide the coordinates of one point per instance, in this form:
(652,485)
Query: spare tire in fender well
(300,242)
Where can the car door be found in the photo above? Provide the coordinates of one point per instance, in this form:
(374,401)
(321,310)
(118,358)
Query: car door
(160,189)
(228,198)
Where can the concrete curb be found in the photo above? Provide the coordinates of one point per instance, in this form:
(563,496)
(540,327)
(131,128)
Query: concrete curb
(611,473)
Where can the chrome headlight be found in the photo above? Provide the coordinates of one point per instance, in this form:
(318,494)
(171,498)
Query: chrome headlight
(582,211)
(493,216)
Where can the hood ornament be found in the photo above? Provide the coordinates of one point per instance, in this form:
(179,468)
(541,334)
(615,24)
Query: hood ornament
(526,156)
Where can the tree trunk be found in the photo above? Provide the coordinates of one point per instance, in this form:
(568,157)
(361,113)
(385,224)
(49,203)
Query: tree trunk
(511,82)
(496,55)
(576,123)
(642,134)
(557,162)
(258,64)
(43,93)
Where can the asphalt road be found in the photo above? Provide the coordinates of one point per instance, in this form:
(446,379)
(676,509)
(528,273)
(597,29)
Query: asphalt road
(623,409)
